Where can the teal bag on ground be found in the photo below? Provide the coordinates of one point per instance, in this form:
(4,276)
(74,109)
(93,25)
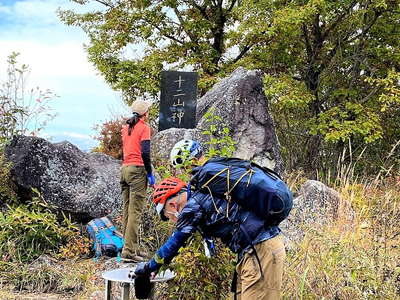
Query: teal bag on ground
(105,237)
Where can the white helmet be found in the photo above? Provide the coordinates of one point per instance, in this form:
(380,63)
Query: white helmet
(185,147)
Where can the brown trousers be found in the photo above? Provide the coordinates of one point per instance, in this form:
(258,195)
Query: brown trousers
(251,285)
(133,186)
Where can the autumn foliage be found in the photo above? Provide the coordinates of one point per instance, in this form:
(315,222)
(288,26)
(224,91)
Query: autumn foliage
(109,136)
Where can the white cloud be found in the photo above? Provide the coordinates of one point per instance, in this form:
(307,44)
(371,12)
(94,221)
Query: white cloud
(41,13)
(36,12)
(63,59)
(77,135)
(5,9)
(50,48)
(55,55)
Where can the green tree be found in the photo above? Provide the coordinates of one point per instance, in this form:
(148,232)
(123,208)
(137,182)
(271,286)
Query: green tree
(332,73)
(331,66)
(180,34)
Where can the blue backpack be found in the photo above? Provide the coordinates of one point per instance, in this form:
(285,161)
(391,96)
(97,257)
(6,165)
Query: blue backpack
(105,237)
(254,188)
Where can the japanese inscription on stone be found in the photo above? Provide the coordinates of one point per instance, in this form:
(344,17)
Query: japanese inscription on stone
(178,100)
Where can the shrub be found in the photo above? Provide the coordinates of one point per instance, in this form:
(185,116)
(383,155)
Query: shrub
(152,231)
(109,136)
(76,246)
(22,110)
(27,231)
(7,188)
(199,277)
(220,141)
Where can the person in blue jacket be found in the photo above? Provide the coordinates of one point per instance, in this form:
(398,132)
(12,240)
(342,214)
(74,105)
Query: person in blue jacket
(260,249)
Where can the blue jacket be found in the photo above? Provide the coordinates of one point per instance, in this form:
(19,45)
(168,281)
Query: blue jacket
(215,218)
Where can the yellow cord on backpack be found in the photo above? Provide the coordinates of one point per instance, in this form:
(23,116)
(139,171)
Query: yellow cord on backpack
(241,177)
(228,189)
(205,185)
(212,198)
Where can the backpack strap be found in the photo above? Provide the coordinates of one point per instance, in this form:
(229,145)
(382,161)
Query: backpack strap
(252,247)
(107,222)
(235,274)
(234,284)
(96,245)
(111,226)
(94,226)
(106,234)
(248,172)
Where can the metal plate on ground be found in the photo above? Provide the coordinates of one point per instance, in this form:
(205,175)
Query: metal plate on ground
(122,275)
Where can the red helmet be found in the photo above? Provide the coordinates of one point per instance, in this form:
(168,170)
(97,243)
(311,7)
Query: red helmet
(167,188)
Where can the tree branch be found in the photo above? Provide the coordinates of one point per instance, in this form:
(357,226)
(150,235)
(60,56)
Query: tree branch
(171,37)
(241,54)
(347,39)
(202,10)
(232,5)
(307,40)
(338,20)
(366,98)
(182,22)
(367,28)
(104,3)
(192,38)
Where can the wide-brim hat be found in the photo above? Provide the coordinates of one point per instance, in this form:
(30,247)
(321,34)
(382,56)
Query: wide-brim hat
(140,106)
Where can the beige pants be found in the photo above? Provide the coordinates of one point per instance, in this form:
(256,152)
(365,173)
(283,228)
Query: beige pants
(133,186)
(251,285)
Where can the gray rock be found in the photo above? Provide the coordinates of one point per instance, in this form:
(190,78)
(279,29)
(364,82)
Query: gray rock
(86,185)
(163,141)
(44,260)
(316,205)
(240,102)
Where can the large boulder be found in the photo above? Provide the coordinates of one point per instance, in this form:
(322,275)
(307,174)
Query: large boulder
(241,105)
(86,185)
(163,141)
(316,205)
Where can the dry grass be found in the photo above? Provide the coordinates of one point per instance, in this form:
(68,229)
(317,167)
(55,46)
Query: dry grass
(330,263)
(361,263)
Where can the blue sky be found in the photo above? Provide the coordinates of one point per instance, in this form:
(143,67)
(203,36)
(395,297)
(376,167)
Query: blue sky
(56,57)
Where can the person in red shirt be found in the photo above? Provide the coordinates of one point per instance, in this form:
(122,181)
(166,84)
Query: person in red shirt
(136,173)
